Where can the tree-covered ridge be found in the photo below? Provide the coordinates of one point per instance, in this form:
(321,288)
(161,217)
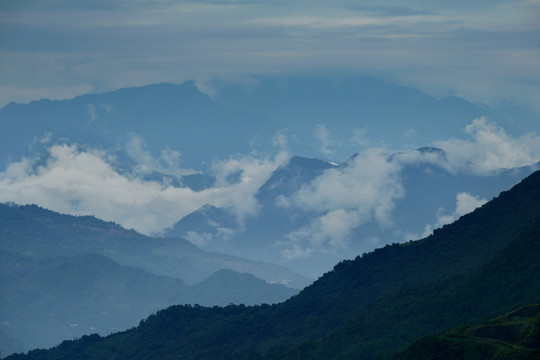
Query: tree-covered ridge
(472,270)
(514,336)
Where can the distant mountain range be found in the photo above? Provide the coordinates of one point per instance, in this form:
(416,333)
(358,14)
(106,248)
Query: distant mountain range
(163,140)
(58,279)
(430,190)
(290,172)
(477,268)
(201,127)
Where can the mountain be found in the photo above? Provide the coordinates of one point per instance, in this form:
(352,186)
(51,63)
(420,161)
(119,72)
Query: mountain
(226,287)
(46,300)
(116,277)
(431,191)
(478,267)
(37,232)
(258,235)
(177,144)
(105,121)
(387,111)
(513,336)
(183,118)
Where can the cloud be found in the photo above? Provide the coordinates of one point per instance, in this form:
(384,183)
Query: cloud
(46,53)
(253,173)
(465,203)
(280,140)
(86,182)
(92,112)
(490,148)
(323,136)
(169,161)
(363,190)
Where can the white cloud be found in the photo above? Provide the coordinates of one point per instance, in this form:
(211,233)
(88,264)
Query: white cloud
(359,137)
(253,173)
(323,136)
(280,140)
(344,198)
(85,182)
(490,148)
(465,203)
(92,112)
(169,161)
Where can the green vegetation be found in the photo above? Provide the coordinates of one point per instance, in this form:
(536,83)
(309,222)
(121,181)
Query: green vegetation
(483,265)
(514,336)
(58,281)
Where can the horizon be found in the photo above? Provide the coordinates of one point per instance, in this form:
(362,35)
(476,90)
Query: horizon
(485,52)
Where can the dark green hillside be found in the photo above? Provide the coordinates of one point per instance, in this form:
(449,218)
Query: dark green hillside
(509,280)
(482,265)
(514,336)
(455,249)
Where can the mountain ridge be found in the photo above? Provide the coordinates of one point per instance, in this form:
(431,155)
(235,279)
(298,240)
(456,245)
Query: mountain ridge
(73,234)
(354,309)
(47,300)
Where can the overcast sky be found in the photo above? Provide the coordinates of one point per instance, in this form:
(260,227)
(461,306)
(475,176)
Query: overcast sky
(486,51)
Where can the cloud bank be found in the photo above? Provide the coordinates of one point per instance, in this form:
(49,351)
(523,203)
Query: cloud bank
(86,182)
(364,191)
(490,148)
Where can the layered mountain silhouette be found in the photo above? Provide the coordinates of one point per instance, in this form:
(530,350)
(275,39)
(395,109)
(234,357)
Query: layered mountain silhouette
(58,279)
(38,232)
(482,265)
(356,112)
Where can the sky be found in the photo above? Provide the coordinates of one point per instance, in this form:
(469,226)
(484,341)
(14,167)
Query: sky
(485,51)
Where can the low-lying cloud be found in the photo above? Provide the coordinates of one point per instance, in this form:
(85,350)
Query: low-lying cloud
(489,149)
(363,190)
(366,189)
(465,203)
(86,182)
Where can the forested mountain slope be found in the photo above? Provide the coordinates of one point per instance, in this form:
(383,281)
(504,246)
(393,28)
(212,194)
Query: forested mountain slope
(474,269)
(513,336)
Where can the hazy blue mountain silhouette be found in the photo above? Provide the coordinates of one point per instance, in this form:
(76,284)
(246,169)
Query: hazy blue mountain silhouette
(241,117)
(35,231)
(47,300)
